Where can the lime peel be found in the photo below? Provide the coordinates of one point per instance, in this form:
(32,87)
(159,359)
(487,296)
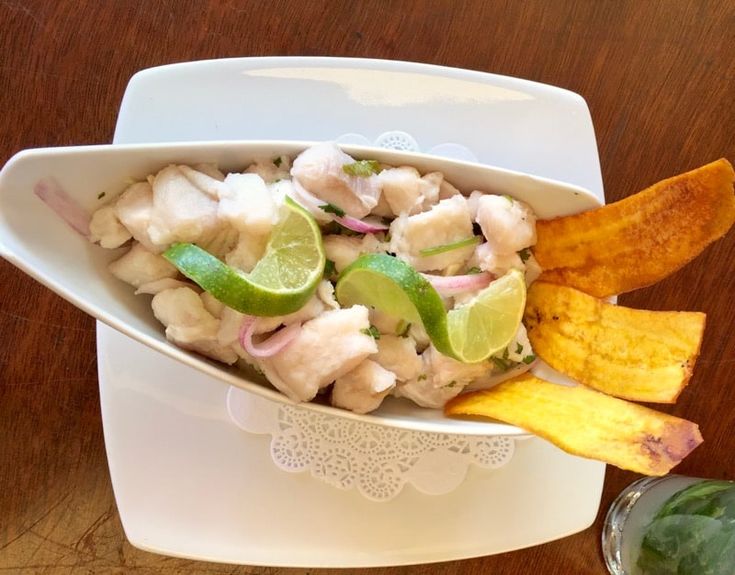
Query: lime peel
(283,280)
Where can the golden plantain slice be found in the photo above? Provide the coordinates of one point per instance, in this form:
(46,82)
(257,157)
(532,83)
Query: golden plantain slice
(585,422)
(635,354)
(640,240)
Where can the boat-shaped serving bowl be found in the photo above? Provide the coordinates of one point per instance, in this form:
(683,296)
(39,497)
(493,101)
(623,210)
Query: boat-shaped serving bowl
(39,242)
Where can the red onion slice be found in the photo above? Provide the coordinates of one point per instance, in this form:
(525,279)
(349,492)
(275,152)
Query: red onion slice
(55,197)
(270,346)
(360,226)
(452,285)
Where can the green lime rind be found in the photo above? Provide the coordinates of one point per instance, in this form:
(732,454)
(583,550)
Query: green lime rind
(282,281)
(231,286)
(395,288)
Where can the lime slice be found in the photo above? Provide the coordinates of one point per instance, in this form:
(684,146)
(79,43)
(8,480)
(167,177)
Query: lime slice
(282,281)
(470,333)
(488,323)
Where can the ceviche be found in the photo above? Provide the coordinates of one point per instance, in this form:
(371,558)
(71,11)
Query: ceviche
(331,276)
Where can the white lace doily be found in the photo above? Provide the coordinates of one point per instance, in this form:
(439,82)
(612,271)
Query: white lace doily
(374,459)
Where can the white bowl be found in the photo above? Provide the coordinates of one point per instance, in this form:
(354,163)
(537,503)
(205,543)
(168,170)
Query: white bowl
(36,240)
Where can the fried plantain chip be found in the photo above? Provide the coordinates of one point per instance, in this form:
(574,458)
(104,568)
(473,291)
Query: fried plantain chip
(585,422)
(640,240)
(635,354)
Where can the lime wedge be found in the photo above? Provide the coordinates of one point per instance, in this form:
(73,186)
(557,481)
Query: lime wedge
(470,333)
(282,281)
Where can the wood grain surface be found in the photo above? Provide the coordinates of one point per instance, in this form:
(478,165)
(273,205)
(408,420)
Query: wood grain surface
(659,78)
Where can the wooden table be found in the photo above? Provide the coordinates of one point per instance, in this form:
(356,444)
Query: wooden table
(659,78)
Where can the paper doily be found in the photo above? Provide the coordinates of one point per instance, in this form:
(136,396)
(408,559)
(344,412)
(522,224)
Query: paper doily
(376,460)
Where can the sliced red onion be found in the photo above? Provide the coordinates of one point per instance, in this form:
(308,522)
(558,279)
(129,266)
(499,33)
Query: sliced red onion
(270,346)
(55,197)
(452,285)
(360,226)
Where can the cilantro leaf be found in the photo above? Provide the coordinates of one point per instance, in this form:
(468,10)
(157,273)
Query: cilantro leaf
(362,168)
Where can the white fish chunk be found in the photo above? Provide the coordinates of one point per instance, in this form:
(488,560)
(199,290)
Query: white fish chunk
(229,327)
(246,203)
(313,361)
(133,208)
(212,186)
(309,310)
(212,304)
(325,292)
(508,224)
(181,211)
(363,389)
(139,266)
(398,355)
(319,170)
(106,228)
(248,251)
(211,170)
(447,222)
(343,250)
(497,263)
(441,379)
(404,190)
(189,325)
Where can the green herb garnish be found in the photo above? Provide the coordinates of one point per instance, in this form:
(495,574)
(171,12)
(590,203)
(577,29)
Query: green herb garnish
(101,195)
(402,328)
(362,168)
(422,377)
(519,348)
(529,359)
(474,270)
(330,269)
(524,254)
(372,331)
(277,162)
(332,209)
(502,364)
(449,247)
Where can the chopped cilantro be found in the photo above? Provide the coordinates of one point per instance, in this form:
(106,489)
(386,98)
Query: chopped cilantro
(529,359)
(474,270)
(502,364)
(372,331)
(451,383)
(332,209)
(422,377)
(101,195)
(524,254)
(509,198)
(362,168)
(277,162)
(519,348)
(402,328)
(506,353)
(329,269)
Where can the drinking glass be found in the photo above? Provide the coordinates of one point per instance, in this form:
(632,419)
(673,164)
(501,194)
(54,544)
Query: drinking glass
(671,525)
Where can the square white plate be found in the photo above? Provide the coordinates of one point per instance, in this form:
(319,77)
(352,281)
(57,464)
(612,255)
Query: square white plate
(187,481)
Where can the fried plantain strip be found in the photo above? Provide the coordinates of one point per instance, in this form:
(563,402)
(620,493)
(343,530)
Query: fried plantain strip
(641,239)
(585,422)
(635,354)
